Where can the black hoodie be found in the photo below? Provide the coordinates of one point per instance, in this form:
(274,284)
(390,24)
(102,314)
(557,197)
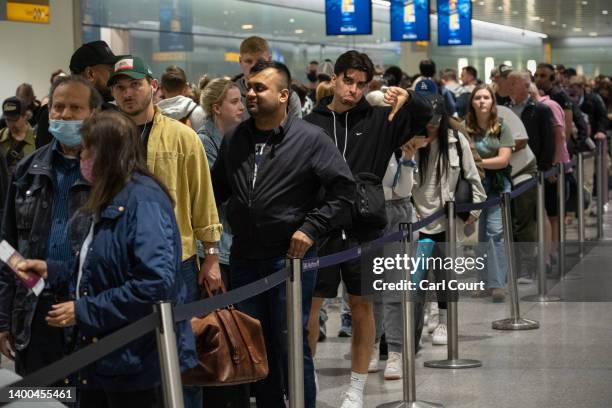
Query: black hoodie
(371,137)
(367,139)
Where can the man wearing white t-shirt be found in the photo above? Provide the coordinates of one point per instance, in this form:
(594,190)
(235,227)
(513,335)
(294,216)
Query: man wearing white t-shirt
(524,216)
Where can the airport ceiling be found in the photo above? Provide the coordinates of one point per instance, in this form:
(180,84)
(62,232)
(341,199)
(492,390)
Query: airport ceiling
(556,18)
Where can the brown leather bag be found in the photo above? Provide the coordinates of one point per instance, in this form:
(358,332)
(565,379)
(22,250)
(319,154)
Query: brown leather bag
(230,347)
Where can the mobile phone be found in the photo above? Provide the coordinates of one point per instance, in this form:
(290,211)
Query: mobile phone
(11,258)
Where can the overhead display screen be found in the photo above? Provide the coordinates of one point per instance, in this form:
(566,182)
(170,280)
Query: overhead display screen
(454,22)
(348,17)
(409,20)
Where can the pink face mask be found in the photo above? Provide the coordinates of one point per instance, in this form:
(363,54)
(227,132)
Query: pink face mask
(87,169)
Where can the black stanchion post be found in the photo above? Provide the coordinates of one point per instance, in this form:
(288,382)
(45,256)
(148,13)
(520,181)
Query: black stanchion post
(294,328)
(168,356)
(580,204)
(541,214)
(601,187)
(408,357)
(515,322)
(561,218)
(453,360)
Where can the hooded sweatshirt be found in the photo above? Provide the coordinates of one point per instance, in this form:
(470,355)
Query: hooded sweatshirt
(364,135)
(181,107)
(366,138)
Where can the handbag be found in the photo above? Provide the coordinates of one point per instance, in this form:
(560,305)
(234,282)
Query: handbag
(369,205)
(463,189)
(230,347)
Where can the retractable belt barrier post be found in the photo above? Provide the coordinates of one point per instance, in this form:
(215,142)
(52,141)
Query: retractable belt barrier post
(168,356)
(294,328)
(561,218)
(408,355)
(515,322)
(580,204)
(541,214)
(453,360)
(601,187)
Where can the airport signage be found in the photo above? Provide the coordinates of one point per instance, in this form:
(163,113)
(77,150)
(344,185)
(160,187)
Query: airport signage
(348,17)
(409,20)
(454,22)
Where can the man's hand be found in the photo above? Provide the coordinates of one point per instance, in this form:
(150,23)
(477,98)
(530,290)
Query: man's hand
(32,266)
(61,315)
(396,97)
(6,345)
(300,244)
(471,220)
(600,136)
(211,272)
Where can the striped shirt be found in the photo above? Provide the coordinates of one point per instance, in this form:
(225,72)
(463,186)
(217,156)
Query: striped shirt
(66,173)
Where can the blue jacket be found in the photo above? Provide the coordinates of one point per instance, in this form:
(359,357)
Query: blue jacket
(133,261)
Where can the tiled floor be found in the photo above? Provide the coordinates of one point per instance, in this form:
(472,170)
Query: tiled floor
(567,362)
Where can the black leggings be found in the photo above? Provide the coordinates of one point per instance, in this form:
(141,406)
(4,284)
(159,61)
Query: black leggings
(439,274)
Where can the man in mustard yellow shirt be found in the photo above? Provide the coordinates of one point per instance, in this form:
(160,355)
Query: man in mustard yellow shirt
(175,156)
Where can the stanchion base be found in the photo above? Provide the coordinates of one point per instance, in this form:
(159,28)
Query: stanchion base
(518,324)
(571,277)
(541,298)
(414,404)
(459,363)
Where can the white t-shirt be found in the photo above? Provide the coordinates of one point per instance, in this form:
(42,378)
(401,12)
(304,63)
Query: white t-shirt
(522,161)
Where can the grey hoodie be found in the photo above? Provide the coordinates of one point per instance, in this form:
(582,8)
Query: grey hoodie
(180,107)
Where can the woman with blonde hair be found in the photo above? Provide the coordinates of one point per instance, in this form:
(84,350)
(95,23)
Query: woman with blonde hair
(493,142)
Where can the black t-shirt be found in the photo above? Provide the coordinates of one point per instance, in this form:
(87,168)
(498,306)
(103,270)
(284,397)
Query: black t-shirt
(561,97)
(145,130)
(503,100)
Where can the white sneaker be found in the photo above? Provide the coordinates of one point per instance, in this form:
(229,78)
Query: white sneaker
(434,318)
(393,369)
(352,400)
(373,366)
(439,337)
(524,280)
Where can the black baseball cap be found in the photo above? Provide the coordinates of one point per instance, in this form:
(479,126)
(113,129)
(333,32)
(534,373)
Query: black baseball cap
(12,108)
(92,53)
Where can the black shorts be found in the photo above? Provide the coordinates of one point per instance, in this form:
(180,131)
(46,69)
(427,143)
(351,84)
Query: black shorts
(356,273)
(551,198)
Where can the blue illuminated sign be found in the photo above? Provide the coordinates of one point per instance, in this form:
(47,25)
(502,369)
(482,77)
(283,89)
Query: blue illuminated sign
(454,22)
(409,20)
(348,17)
(175,25)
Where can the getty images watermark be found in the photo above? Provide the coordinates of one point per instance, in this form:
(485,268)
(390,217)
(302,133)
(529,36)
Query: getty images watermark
(418,267)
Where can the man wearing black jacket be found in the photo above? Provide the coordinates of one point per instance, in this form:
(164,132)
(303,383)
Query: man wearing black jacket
(367,137)
(545,80)
(287,187)
(593,107)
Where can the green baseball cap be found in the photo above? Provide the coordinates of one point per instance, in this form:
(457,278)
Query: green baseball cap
(131,66)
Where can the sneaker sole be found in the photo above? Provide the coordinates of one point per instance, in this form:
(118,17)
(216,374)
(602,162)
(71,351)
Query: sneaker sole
(375,370)
(394,377)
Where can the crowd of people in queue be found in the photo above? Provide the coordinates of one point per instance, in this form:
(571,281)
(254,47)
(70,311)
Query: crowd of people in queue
(122,190)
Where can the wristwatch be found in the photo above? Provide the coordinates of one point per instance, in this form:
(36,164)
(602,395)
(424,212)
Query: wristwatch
(211,251)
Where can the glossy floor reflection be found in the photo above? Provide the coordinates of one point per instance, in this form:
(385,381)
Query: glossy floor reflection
(566,363)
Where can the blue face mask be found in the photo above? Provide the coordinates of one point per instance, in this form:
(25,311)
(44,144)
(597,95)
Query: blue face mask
(67,132)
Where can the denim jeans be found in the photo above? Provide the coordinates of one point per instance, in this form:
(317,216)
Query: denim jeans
(491,238)
(270,309)
(192,396)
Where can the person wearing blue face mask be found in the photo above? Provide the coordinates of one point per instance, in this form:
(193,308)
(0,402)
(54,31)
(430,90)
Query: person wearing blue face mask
(40,221)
